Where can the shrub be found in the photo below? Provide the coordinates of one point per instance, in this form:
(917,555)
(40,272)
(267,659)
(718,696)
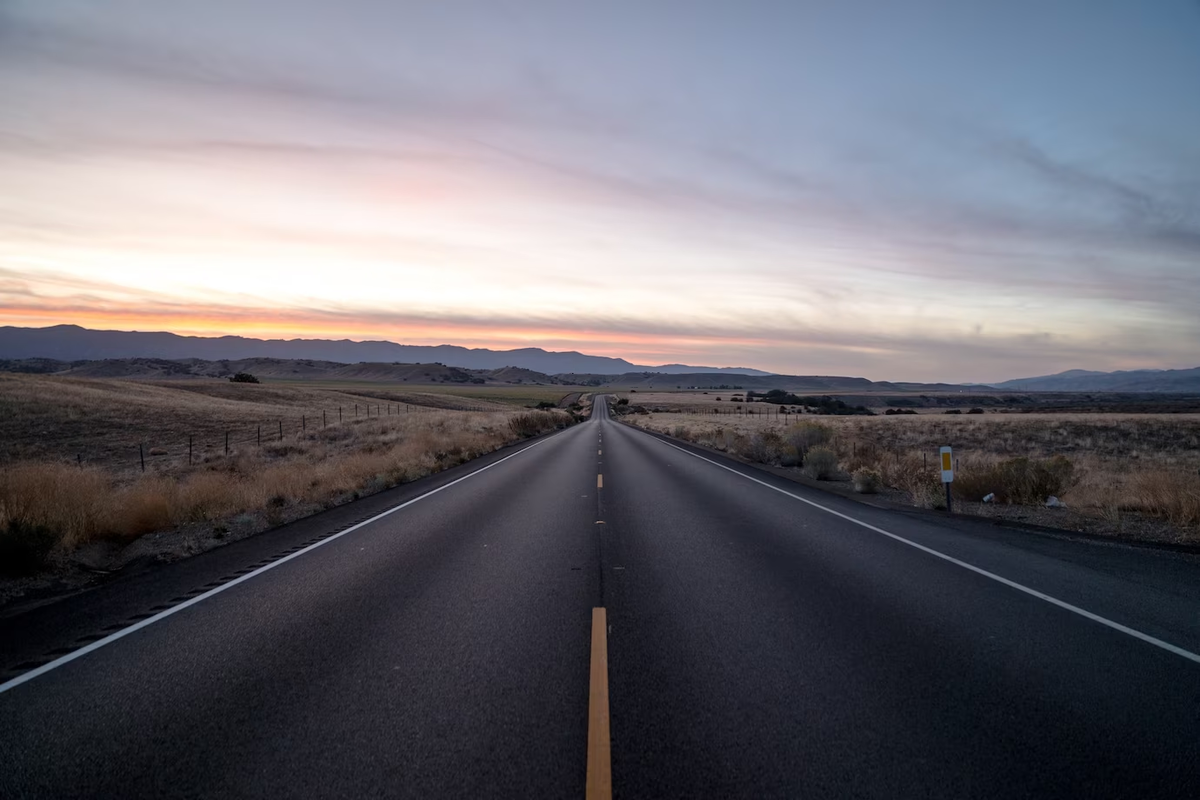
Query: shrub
(805,435)
(624,401)
(926,490)
(1171,494)
(765,447)
(1016,480)
(820,463)
(143,508)
(66,499)
(25,547)
(866,481)
(243,377)
(682,432)
(953,411)
(975,411)
(789,456)
(535,422)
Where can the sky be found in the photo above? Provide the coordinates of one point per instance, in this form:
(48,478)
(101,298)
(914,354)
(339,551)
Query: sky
(957,190)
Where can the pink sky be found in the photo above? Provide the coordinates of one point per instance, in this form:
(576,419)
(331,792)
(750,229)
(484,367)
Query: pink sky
(506,181)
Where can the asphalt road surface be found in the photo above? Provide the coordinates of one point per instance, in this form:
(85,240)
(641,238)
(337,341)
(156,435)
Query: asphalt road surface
(763,640)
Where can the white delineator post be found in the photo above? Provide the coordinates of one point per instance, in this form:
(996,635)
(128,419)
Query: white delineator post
(947,474)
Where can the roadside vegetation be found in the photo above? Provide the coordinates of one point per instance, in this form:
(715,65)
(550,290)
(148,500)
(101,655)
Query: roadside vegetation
(1110,472)
(54,503)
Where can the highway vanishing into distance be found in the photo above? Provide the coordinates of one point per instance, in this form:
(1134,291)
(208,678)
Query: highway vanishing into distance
(603,605)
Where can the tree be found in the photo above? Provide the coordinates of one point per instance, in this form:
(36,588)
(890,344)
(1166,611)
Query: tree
(243,377)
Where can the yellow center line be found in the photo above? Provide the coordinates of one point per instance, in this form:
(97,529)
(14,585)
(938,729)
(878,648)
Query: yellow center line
(599,756)
(599,481)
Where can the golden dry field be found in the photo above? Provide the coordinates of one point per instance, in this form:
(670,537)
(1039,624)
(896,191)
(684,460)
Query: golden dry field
(1108,467)
(71,469)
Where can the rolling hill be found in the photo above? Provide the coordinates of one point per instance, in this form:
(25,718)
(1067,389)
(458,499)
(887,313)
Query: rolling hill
(73,343)
(269,369)
(274,369)
(1078,380)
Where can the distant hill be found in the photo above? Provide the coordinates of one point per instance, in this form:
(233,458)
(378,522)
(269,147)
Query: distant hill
(73,343)
(1078,380)
(808,384)
(159,369)
(274,369)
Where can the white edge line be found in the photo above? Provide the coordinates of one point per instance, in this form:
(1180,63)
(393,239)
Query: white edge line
(137,626)
(1145,637)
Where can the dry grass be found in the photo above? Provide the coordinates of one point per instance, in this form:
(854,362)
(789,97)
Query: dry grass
(310,469)
(1108,464)
(104,421)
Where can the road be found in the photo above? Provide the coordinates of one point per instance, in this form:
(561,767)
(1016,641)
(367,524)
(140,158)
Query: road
(763,640)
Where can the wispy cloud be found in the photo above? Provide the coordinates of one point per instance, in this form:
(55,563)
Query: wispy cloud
(460,177)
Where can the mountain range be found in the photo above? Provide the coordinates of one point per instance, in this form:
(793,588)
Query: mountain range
(1140,380)
(73,343)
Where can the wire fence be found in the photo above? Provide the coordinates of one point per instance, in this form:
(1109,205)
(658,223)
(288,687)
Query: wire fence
(217,439)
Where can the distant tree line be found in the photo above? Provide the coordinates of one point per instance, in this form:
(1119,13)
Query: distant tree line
(819,405)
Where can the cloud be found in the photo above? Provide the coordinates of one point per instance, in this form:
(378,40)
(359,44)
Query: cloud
(780,347)
(535,102)
(728,240)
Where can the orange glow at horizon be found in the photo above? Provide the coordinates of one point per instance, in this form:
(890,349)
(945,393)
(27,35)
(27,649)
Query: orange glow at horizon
(294,324)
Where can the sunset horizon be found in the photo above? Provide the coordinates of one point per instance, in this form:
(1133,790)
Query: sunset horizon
(542,399)
(791,189)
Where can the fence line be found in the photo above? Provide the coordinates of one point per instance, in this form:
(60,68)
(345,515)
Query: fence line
(143,456)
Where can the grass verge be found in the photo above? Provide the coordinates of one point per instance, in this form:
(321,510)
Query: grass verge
(1110,469)
(50,509)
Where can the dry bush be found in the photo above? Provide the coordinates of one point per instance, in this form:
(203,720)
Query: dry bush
(68,500)
(820,463)
(765,447)
(805,435)
(1171,494)
(866,481)
(683,433)
(1143,463)
(144,507)
(925,489)
(69,505)
(1021,480)
(536,422)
